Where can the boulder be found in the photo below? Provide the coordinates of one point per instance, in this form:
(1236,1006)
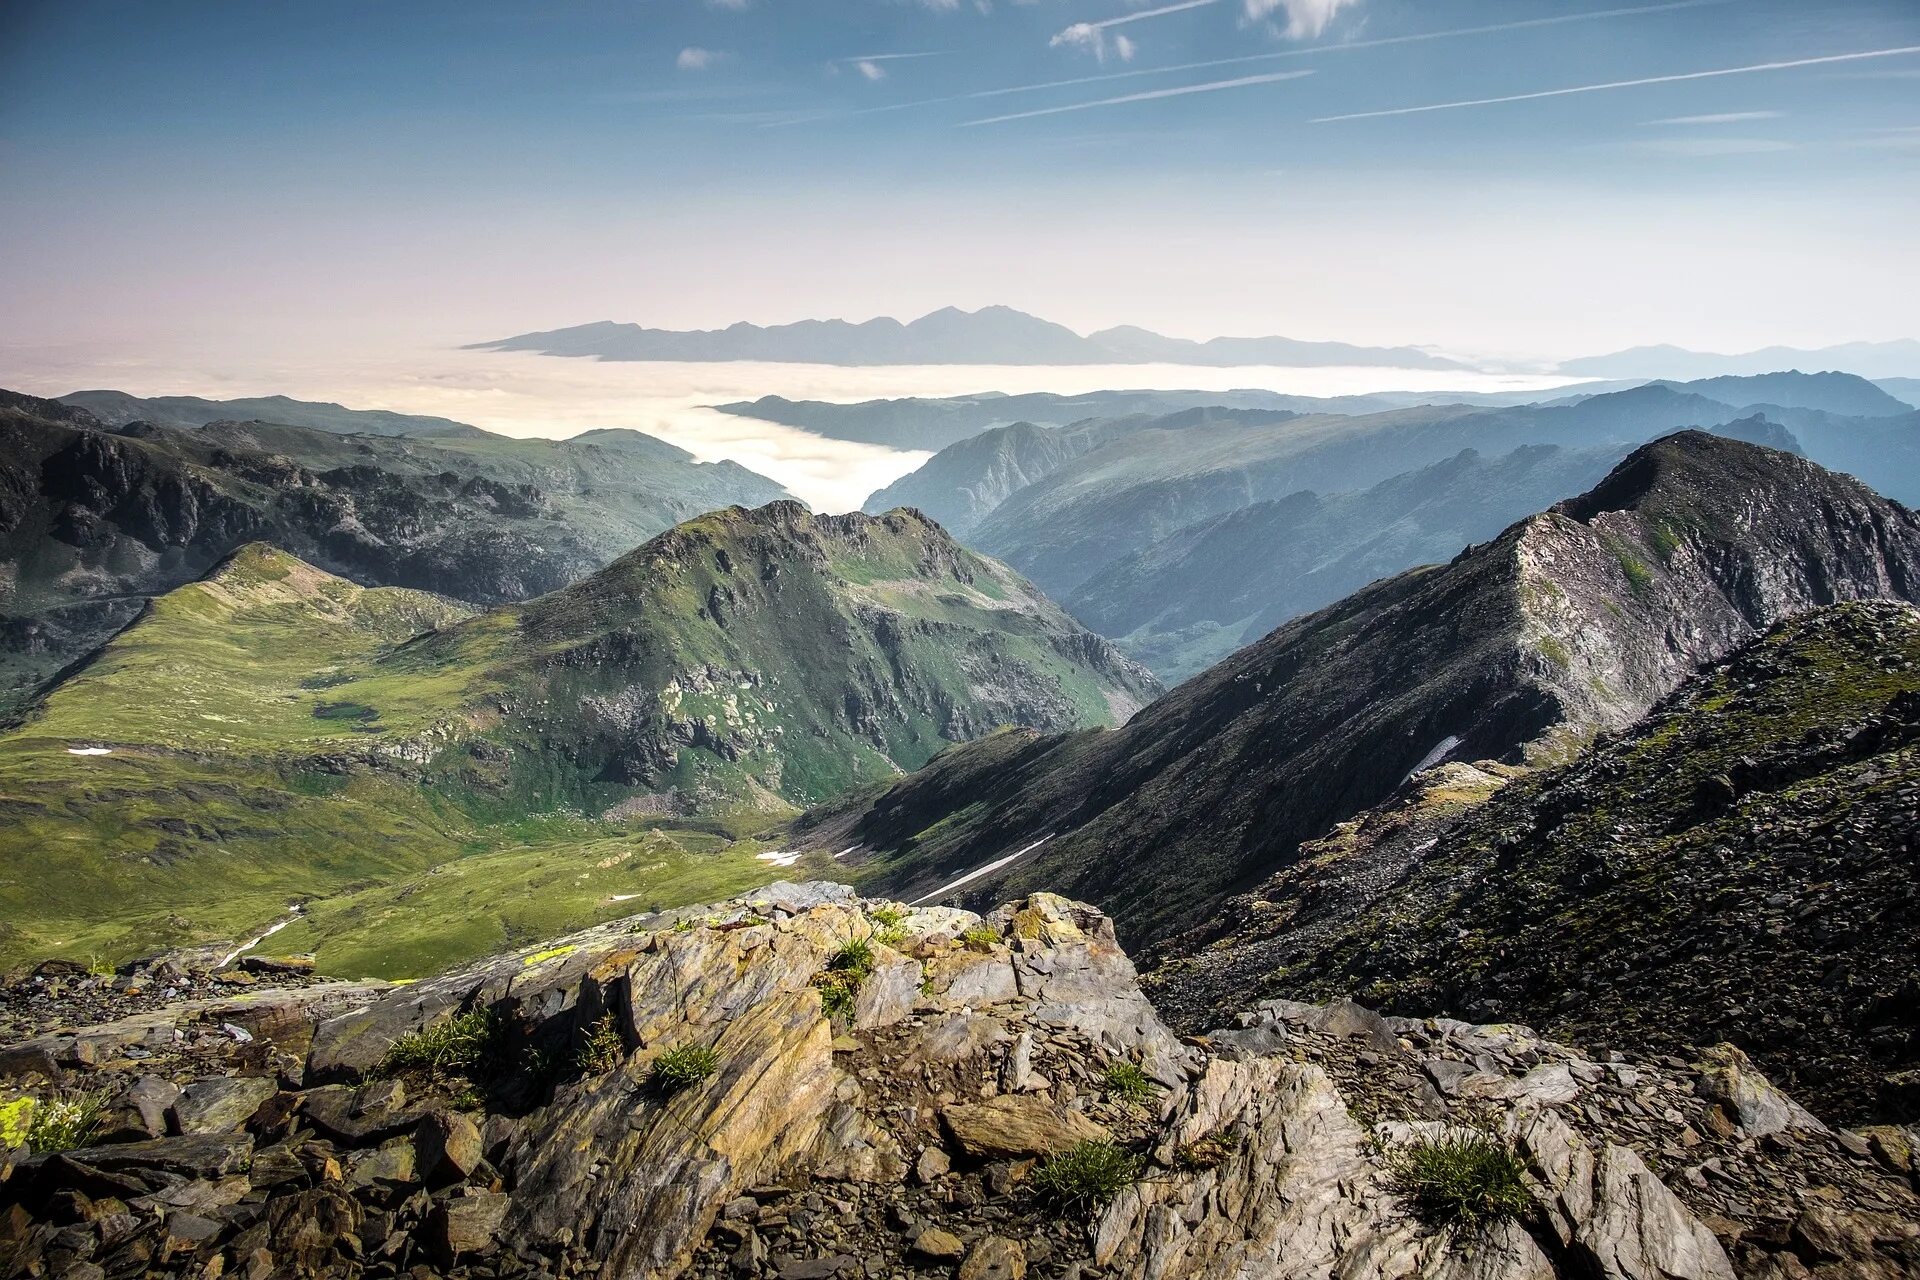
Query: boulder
(468,1225)
(220,1104)
(995,1258)
(449,1146)
(1013,1127)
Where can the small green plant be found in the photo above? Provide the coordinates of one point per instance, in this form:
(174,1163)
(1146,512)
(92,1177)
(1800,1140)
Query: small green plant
(981,937)
(682,1067)
(1086,1176)
(455,1047)
(683,925)
(887,922)
(66,1121)
(855,961)
(1472,1178)
(836,999)
(604,1048)
(1204,1153)
(1127,1082)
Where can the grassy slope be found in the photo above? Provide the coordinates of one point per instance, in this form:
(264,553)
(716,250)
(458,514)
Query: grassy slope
(280,734)
(225,796)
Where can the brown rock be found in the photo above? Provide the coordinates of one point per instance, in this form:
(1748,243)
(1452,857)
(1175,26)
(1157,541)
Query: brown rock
(1015,1126)
(934,1243)
(995,1258)
(468,1224)
(449,1147)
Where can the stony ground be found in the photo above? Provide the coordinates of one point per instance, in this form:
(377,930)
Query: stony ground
(885,1093)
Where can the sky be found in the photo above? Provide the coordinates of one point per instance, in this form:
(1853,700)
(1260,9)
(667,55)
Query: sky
(223,185)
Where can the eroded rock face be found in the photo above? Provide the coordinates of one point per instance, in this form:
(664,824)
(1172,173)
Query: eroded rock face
(801,1084)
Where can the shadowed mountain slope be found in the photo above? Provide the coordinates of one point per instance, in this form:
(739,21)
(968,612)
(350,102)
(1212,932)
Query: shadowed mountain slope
(1571,621)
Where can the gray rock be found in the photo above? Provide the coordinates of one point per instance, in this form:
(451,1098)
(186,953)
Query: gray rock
(220,1104)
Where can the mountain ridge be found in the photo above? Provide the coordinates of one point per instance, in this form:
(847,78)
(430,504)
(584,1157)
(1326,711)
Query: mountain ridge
(991,335)
(1570,622)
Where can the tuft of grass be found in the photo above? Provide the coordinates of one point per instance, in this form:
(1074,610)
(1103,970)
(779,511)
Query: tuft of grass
(854,961)
(981,937)
(1087,1175)
(1127,1082)
(1470,1178)
(66,1121)
(604,1048)
(455,1047)
(887,924)
(682,1067)
(836,998)
(1206,1153)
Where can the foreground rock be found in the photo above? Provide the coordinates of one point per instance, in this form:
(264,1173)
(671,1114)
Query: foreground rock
(799,1084)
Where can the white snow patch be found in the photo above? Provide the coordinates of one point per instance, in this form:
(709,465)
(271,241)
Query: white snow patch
(623,897)
(779,857)
(1435,756)
(89,751)
(844,852)
(977,872)
(251,943)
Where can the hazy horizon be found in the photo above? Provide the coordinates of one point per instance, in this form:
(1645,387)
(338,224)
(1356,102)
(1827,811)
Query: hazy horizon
(1506,178)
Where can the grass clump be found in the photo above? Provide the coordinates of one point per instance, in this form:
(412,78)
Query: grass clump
(604,1048)
(457,1046)
(65,1122)
(888,925)
(1470,1178)
(840,981)
(981,937)
(1087,1175)
(682,1067)
(855,961)
(1127,1082)
(1205,1153)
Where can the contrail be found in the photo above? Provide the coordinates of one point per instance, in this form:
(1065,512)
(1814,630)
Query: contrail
(1623,84)
(1179,91)
(1163,10)
(1450,33)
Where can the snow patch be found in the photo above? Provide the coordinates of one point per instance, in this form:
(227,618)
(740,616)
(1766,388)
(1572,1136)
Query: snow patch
(1440,752)
(977,872)
(89,751)
(779,857)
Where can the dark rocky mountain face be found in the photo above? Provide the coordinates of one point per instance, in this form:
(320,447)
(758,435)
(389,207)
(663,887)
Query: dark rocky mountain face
(1570,622)
(95,521)
(1736,866)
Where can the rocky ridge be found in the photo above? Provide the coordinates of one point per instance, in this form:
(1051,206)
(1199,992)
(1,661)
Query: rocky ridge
(892,1117)
(1571,622)
(1735,866)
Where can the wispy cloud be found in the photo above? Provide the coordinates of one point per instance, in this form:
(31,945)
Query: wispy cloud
(1450,33)
(1211,86)
(1625,84)
(694,58)
(870,69)
(734,6)
(1306,19)
(1092,37)
(1720,117)
(1715,146)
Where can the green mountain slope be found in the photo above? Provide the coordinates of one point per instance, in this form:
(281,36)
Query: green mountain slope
(117,408)
(1570,622)
(95,521)
(277,733)
(1741,865)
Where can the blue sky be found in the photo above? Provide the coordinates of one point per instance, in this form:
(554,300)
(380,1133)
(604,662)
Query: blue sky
(423,171)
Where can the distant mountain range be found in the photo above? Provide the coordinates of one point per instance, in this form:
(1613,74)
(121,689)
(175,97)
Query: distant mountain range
(1899,359)
(991,335)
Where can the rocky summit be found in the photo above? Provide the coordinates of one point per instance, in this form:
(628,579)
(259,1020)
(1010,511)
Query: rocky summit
(799,1083)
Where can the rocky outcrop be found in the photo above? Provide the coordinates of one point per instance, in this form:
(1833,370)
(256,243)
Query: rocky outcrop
(799,1084)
